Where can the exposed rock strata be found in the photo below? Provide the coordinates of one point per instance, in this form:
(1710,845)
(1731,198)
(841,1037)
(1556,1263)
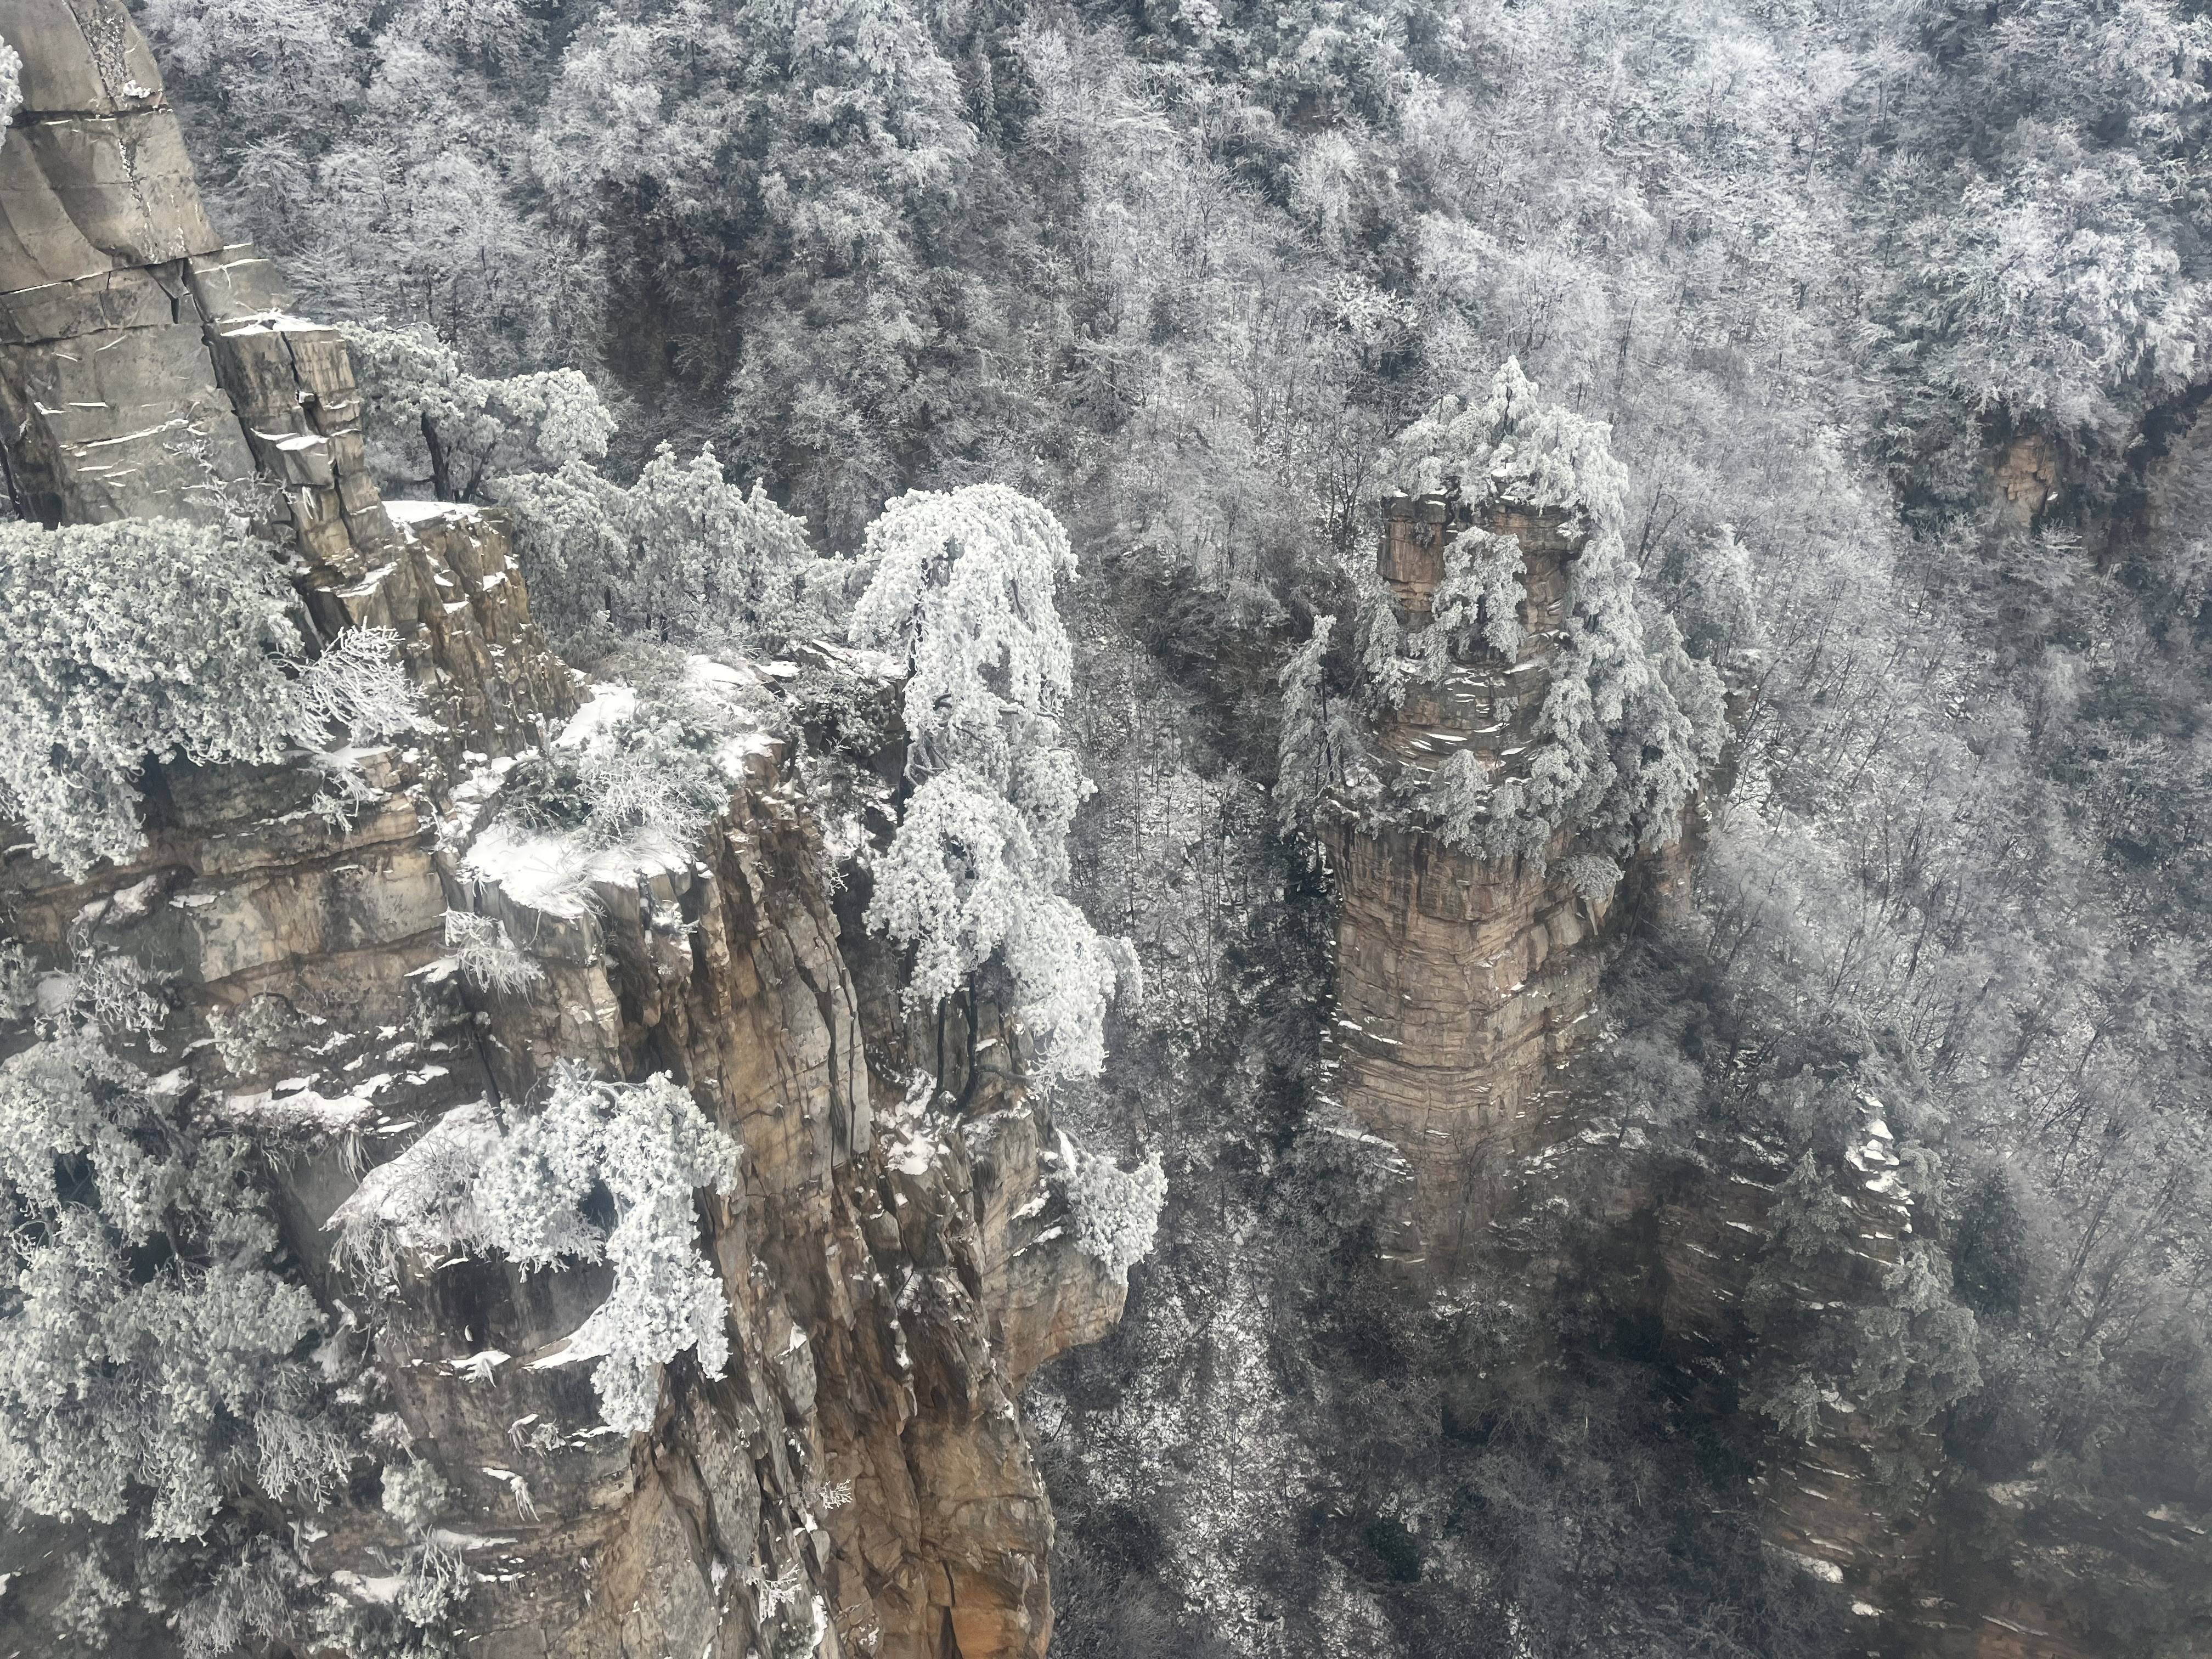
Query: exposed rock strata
(893,1274)
(1463,983)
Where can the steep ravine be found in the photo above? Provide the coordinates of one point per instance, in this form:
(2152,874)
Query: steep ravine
(892,1278)
(1466,989)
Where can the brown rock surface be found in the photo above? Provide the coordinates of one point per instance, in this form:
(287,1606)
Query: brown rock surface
(888,1291)
(1463,983)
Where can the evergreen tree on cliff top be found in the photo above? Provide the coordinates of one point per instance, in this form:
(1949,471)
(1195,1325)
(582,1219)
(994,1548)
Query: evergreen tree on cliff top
(962,595)
(1630,719)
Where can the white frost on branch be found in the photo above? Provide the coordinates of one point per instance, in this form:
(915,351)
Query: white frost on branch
(357,684)
(962,594)
(521,1190)
(1117,1211)
(490,959)
(158,640)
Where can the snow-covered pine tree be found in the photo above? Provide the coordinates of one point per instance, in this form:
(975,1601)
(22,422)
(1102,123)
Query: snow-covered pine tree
(521,1189)
(1632,719)
(962,595)
(151,639)
(682,556)
(150,1360)
(436,424)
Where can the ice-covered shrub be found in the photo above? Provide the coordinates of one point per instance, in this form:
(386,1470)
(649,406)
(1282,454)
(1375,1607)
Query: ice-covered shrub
(667,760)
(1319,736)
(255,1599)
(1115,1212)
(415,1495)
(155,639)
(1593,876)
(123,641)
(358,686)
(523,1190)
(488,957)
(1479,600)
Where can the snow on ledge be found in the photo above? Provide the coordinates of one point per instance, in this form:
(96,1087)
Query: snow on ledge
(554,873)
(404,514)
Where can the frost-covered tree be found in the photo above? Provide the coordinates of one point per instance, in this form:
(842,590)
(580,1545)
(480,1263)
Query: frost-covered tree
(158,640)
(1835,1325)
(682,556)
(775,186)
(151,1355)
(436,424)
(1630,719)
(1319,737)
(1115,1212)
(2039,265)
(963,596)
(522,1188)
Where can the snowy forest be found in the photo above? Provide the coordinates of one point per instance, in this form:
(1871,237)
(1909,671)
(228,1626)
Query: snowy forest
(1129,829)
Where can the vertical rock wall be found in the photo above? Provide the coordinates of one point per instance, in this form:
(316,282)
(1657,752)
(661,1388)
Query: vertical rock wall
(893,1275)
(1462,983)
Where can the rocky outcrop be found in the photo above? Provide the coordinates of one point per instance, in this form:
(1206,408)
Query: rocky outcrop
(2024,482)
(1463,984)
(893,1272)
(148,370)
(892,1276)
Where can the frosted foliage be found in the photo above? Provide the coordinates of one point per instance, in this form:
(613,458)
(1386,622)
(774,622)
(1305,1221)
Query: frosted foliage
(2046,291)
(415,1495)
(1592,877)
(683,555)
(962,593)
(1479,598)
(1715,604)
(1117,1211)
(433,422)
(154,638)
(248,1607)
(1067,974)
(123,641)
(1630,719)
(1319,734)
(491,960)
(358,686)
(1459,796)
(422,1201)
(468,1184)
(125,1388)
(956,882)
(1513,444)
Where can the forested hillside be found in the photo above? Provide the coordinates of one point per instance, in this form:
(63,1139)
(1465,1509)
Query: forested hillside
(1859,348)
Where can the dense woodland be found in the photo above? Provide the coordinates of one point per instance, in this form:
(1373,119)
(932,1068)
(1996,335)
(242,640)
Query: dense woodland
(1891,322)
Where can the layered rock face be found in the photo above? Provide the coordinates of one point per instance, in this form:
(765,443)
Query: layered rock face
(1846,1502)
(1463,984)
(1941,1562)
(893,1275)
